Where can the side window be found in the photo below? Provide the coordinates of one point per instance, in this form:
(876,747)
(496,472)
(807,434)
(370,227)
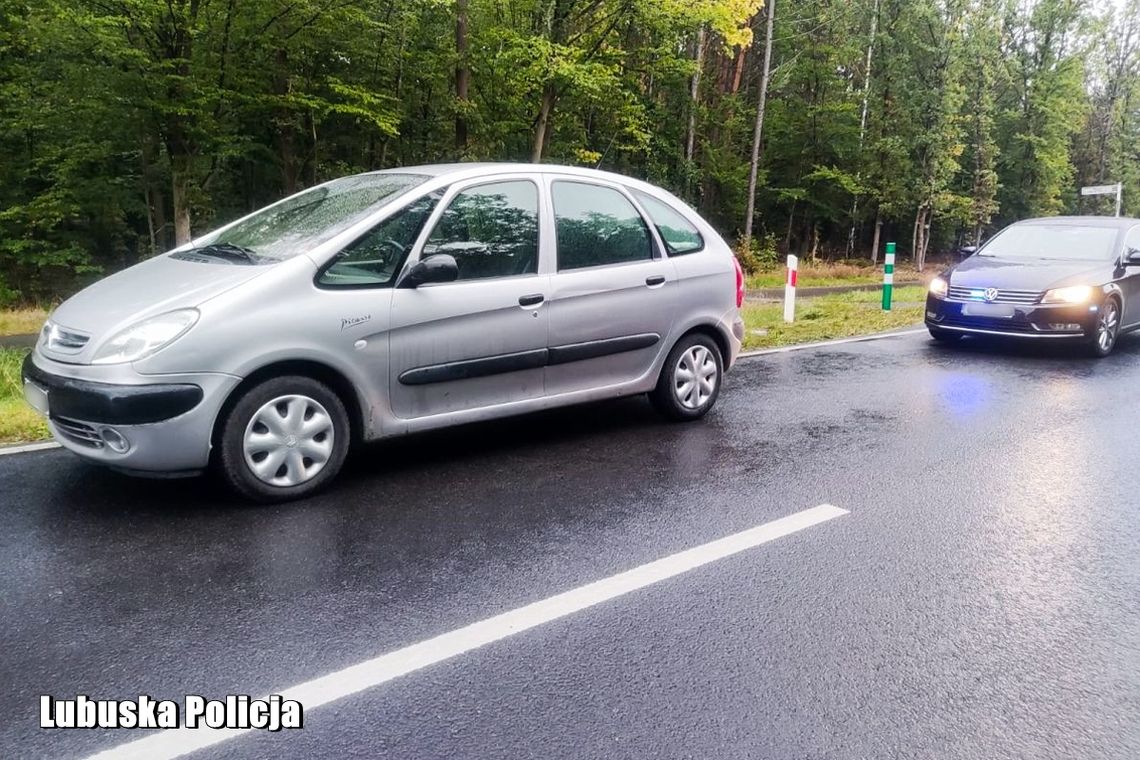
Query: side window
(491,230)
(374,258)
(1132,242)
(597,225)
(679,234)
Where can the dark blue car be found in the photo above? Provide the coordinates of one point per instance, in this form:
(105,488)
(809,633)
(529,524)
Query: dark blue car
(1059,278)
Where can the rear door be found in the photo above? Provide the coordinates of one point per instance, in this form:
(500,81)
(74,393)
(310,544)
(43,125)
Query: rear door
(481,340)
(612,291)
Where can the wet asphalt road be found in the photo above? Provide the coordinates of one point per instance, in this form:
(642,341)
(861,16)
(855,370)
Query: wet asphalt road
(981,599)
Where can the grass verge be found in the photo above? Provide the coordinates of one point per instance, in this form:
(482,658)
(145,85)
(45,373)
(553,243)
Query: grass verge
(21,321)
(18,421)
(842,315)
(828,275)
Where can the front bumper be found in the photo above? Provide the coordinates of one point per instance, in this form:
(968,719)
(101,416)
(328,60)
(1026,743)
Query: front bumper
(118,417)
(1051,321)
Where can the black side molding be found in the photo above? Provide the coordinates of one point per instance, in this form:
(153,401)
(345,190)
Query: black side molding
(523,360)
(471,368)
(112,404)
(577,352)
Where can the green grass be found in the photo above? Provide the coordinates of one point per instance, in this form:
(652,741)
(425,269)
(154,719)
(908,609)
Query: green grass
(829,275)
(841,315)
(18,421)
(21,321)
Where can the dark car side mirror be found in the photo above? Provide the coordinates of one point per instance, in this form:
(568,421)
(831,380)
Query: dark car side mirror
(1132,257)
(440,267)
(967,250)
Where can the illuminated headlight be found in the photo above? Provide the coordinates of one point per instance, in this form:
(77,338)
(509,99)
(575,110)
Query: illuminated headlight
(938,287)
(1075,294)
(146,337)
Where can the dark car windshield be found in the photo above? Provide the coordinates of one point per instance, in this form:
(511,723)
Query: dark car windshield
(306,220)
(1053,241)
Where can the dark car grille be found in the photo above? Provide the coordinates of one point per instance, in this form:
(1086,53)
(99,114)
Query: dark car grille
(981,323)
(1023,297)
(79,432)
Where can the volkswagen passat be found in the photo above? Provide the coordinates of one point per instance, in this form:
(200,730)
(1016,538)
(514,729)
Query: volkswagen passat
(1066,278)
(384,304)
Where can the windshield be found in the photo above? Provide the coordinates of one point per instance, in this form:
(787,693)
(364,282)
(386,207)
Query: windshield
(306,220)
(1053,241)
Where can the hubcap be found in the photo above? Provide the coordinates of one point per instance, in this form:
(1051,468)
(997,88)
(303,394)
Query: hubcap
(695,377)
(288,441)
(1106,327)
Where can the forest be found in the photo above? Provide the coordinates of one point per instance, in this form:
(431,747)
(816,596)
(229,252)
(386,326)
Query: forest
(128,126)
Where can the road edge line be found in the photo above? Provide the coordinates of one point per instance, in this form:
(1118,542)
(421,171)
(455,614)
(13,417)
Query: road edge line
(28,448)
(826,343)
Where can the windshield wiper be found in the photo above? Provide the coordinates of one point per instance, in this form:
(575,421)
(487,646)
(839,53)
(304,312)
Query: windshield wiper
(229,251)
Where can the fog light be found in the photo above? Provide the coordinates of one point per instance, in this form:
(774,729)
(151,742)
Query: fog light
(114,440)
(1064,326)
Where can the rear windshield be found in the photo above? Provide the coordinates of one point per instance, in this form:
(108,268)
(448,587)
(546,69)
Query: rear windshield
(310,218)
(1053,241)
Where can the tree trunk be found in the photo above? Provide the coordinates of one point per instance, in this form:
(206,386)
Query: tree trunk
(758,130)
(875,242)
(694,95)
(863,120)
(543,124)
(179,193)
(462,76)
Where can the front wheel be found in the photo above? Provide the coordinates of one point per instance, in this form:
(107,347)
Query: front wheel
(690,380)
(1107,329)
(285,438)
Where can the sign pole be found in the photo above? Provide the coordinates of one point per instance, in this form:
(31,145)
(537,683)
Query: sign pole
(790,289)
(1119,190)
(888,276)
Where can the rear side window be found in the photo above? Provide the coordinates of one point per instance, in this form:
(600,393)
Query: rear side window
(491,230)
(597,225)
(373,259)
(679,234)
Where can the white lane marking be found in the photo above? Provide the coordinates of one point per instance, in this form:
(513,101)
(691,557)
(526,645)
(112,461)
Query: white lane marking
(826,343)
(176,742)
(28,448)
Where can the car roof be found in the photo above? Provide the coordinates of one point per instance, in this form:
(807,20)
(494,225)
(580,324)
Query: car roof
(464,170)
(1118,222)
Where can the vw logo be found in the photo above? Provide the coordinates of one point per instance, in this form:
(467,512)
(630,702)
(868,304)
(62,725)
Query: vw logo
(990,294)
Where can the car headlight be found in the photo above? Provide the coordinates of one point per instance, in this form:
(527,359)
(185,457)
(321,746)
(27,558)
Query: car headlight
(938,287)
(146,337)
(1074,294)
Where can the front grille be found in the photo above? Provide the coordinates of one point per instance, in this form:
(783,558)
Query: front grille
(61,339)
(1022,297)
(79,432)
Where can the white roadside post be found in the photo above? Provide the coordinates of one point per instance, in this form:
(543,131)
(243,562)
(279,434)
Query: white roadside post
(790,289)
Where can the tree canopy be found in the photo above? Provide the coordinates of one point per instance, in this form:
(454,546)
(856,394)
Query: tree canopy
(126,126)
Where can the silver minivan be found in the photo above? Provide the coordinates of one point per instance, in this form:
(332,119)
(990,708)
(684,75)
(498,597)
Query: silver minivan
(389,303)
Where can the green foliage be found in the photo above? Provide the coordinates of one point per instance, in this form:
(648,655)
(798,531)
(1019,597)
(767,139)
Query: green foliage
(127,125)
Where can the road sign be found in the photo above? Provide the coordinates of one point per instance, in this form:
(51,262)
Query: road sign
(1105,190)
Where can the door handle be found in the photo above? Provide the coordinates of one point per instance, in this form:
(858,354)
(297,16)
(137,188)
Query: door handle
(531,300)
(655,280)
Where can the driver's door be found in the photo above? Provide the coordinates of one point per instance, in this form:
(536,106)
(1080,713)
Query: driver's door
(1130,282)
(479,341)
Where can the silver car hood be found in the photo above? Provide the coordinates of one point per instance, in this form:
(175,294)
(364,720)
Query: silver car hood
(145,290)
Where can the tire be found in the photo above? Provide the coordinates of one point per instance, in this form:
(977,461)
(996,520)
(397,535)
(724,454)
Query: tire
(293,420)
(944,336)
(693,351)
(1106,330)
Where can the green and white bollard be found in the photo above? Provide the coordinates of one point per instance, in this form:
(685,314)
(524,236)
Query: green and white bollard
(888,276)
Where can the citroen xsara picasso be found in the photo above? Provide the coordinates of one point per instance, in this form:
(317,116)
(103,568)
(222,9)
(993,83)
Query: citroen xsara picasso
(384,304)
(1061,278)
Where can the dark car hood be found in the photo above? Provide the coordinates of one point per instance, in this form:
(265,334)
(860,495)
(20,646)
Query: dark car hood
(1028,274)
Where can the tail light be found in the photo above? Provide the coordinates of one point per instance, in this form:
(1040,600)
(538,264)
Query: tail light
(739,283)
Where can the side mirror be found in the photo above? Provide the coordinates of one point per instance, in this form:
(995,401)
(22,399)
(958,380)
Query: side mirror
(440,267)
(1132,257)
(967,250)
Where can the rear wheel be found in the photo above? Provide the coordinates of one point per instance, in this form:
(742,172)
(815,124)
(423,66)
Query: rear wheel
(690,380)
(284,439)
(1107,329)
